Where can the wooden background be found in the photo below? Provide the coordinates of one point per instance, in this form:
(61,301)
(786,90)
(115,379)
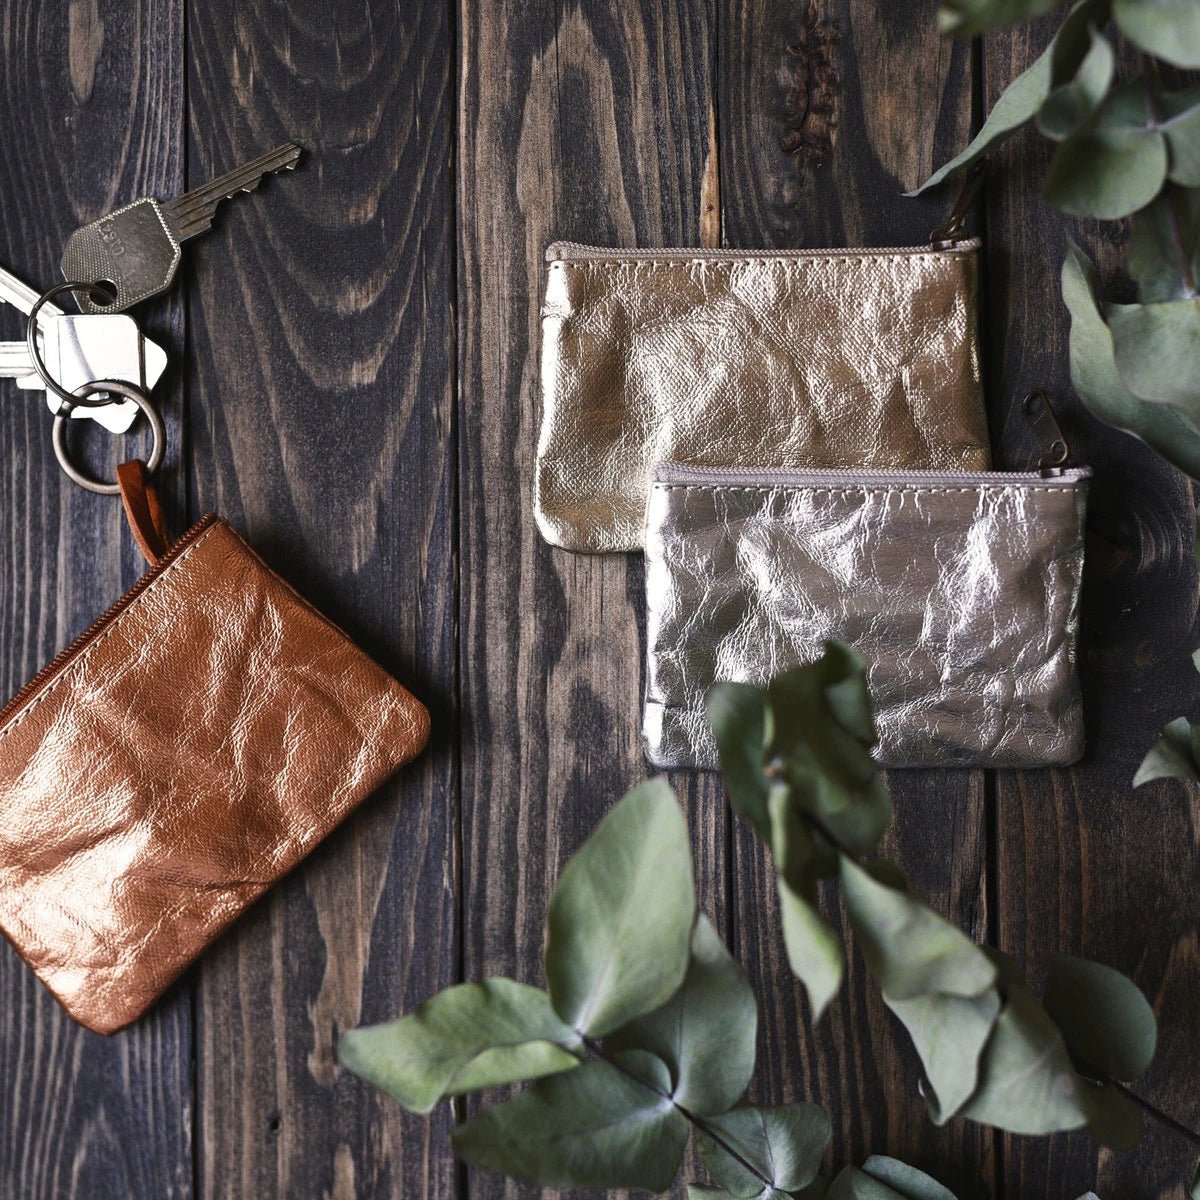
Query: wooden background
(353,381)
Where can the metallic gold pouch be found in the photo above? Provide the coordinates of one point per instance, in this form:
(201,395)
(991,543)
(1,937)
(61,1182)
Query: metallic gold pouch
(780,358)
(960,593)
(177,758)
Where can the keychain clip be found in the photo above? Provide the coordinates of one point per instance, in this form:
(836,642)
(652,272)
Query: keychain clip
(945,236)
(1044,426)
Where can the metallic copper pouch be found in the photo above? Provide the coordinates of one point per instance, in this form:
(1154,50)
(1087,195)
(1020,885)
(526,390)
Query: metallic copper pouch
(781,358)
(960,593)
(187,750)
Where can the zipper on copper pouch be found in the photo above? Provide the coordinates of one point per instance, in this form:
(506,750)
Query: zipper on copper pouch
(61,661)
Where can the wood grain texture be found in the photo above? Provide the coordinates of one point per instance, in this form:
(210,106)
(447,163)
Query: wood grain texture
(1087,865)
(585,121)
(827,113)
(360,395)
(321,403)
(92,104)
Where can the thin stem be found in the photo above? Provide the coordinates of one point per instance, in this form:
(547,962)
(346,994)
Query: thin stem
(597,1049)
(1170,1122)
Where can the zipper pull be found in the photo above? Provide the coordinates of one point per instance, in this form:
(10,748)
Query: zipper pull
(945,236)
(1044,426)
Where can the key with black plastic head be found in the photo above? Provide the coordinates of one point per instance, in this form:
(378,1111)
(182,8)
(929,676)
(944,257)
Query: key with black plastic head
(136,249)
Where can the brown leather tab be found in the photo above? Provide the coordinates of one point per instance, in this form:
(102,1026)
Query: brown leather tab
(143,510)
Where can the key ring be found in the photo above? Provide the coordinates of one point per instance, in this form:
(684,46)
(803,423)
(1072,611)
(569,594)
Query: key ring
(73,399)
(59,435)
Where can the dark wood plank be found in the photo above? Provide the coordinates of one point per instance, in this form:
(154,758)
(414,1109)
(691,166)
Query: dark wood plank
(587,122)
(1086,865)
(92,107)
(827,113)
(320,386)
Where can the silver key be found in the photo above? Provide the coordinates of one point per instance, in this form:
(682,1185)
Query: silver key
(136,249)
(78,349)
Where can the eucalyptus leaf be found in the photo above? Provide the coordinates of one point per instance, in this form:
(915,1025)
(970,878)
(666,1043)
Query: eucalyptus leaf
(967,17)
(593,1127)
(813,949)
(1164,249)
(911,950)
(740,723)
(949,1034)
(1157,351)
(1176,755)
(1020,101)
(620,920)
(823,733)
(697,1191)
(705,1033)
(1112,1118)
(907,1181)
(853,1184)
(1071,104)
(1027,1082)
(1168,29)
(1104,1019)
(1170,431)
(472,1036)
(1180,113)
(1107,172)
(784,1146)
(803,855)
(1194,1190)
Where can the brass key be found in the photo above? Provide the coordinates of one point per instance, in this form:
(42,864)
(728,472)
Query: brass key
(136,249)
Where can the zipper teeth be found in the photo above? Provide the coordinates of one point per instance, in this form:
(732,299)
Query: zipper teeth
(63,659)
(679,473)
(569,251)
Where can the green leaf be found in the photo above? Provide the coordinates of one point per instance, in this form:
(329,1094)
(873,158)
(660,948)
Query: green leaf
(468,1037)
(593,1127)
(853,1184)
(1103,1017)
(1027,1082)
(1176,755)
(1070,104)
(705,1033)
(1112,1118)
(803,855)
(1168,29)
(784,1145)
(964,18)
(620,920)
(739,718)
(698,1191)
(1164,250)
(1157,348)
(907,1181)
(823,733)
(1018,103)
(813,949)
(1170,431)
(949,1034)
(1115,164)
(910,950)
(1180,112)
(1194,1190)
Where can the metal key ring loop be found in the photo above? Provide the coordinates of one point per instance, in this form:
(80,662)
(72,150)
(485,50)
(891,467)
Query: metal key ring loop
(74,399)
(59,434)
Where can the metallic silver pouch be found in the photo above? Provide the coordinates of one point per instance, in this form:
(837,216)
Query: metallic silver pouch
(960,592)
(775,358)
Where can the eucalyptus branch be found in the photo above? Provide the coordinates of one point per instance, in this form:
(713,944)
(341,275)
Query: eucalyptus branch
(597,1048)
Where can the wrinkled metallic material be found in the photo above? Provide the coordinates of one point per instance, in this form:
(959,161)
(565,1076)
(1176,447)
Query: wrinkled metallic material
(961,597)
(194,750)
(846,358)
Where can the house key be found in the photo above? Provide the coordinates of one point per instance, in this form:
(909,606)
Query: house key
(135,251)
(77,349)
